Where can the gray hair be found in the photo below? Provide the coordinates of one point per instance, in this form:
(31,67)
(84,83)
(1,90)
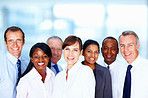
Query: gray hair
(54,37)
(128,32)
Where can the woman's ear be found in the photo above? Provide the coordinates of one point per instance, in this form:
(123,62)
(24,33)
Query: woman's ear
(31,59)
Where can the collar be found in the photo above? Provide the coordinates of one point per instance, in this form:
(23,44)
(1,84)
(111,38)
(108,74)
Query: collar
(112,65)
(34,74)
(74,68)
(136,61)
(52,64)
(11,58)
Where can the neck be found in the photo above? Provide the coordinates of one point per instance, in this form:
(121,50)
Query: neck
(92,66)
(43,74)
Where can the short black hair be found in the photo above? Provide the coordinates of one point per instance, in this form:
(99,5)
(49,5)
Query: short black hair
(13,29)
(110,37)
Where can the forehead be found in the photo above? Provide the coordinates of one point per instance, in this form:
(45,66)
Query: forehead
(92,46)
(75,45)
(38,51)
(15,34)
(110,42)
(55,42)
(127,39)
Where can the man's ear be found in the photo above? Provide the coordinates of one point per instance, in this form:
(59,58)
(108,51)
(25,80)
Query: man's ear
(23,42)
(138,47)
(5,43)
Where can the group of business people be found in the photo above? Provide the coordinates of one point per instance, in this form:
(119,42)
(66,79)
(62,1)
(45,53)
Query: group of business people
(43,77)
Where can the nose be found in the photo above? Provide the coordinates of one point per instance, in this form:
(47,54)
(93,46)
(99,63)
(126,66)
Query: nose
(108,50)
(125,48)
(15,43)
(70,52)
(55,51)
(93,54)
(41,59)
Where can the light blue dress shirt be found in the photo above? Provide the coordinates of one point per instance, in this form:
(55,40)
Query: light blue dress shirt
(53,69)
(8,74)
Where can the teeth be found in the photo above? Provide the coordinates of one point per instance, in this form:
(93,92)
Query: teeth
(54,56)
(127,54)
(70,57)
(92,59)
(40,63)
(108,56)
(15,48)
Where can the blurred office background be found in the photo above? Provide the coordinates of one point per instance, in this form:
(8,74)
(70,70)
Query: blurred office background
(88,19)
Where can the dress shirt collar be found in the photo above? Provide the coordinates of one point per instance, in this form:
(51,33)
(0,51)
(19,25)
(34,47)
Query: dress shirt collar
(52,64)
(11,58)
(34,74)
(112,65)
(136,62)
(74,69)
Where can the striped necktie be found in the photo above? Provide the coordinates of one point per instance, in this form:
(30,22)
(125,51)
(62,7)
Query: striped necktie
(19,68)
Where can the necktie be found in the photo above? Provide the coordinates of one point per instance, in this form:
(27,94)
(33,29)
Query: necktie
(56,68)
(19,68)
(127,83)
(108,66)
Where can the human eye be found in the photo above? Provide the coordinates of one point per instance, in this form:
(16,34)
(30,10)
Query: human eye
(45,56)
(97,52)
(51,48)
(36,57)
(113,48)
(10,41)
(131,45)
(88,51)
(59,49)
(75,49)
(66,49)
(19,40)
(105,48)
(121,46)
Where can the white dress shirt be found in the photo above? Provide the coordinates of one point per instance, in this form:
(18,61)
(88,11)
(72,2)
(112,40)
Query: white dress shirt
(80,83)
(31,85)
(139,78)
(8,74)
(117,70)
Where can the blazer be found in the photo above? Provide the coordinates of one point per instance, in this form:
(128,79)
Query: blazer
(103,87)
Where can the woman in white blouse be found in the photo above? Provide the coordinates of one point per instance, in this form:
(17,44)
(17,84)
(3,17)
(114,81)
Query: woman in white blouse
(37,81)
(77,80)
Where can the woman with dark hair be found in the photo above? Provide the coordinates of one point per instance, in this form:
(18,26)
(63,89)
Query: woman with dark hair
(76,80)
(102,74)
(37,81)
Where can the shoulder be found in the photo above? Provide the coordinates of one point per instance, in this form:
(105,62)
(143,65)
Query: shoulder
(24,61)
(29,75)
(50,72)
(100,67)
(86,71)
(102,71)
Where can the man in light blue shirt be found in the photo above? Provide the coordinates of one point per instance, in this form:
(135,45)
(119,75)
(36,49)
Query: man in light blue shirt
(55,44)
(14,40)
